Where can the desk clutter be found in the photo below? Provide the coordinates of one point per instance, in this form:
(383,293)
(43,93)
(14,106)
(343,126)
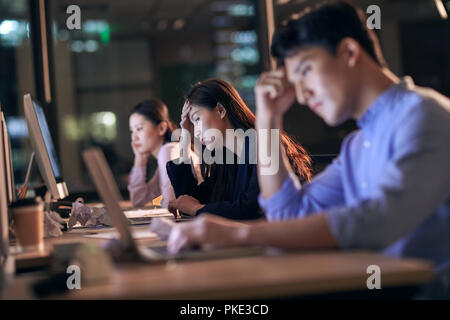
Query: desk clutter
(88,216)
(85,216)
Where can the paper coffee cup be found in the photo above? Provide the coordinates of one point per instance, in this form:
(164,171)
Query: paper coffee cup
(28,216)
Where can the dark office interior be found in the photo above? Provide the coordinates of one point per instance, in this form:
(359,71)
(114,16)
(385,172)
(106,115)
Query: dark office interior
(127,51)
(381,209)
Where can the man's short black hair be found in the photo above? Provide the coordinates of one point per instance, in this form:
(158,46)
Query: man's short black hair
(326,25)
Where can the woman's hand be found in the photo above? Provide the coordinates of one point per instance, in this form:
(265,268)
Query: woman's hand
(185,122)
(186,204)
(187,130)
(207,230)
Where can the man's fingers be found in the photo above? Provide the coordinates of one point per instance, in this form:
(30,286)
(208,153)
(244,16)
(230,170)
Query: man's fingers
(277,85)
(277,74)
(179,238)
(175,240)
(269,89)
(277,78)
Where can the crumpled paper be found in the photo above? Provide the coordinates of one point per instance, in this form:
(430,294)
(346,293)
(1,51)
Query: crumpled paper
(87,216)
(162,227)
(53,224)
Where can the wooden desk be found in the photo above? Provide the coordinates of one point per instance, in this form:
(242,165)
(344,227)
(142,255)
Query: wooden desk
(240,278)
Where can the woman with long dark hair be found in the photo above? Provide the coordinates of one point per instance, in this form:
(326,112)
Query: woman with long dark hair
(228,189)
(151,131)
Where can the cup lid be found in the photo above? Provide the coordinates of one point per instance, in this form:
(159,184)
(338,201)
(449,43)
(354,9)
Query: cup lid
(26,202)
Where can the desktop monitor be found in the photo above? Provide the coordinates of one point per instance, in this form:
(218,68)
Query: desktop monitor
(9,171)
(43,146)
(4,221)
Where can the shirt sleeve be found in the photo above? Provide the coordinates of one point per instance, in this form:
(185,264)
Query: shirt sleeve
(167,153)
(413,185)
(140,191)
(295,201)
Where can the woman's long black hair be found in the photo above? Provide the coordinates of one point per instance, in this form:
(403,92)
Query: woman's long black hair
(210,92)
(155,111)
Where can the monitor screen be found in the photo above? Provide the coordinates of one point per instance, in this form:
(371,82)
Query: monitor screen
(47,139)
(44,148)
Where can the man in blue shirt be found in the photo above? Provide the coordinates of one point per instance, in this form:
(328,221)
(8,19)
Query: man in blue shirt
(388,190)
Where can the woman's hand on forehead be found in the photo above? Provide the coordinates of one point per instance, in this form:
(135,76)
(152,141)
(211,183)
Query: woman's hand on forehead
(186,109)
(185,106)
(185,120)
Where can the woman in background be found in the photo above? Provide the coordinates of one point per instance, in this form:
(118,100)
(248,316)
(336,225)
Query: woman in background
(228,190)
(151,130)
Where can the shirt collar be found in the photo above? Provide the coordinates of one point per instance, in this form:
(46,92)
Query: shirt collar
(386,98)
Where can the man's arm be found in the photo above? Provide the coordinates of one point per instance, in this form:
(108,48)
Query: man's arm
(293,201)
(271,183)
(274,96)
(309,233)
(282,196)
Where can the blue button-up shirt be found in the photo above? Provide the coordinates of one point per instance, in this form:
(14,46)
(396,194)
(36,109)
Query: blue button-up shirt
(389,189)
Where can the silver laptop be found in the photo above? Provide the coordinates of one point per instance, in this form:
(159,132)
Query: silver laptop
(135,215)
(93,159)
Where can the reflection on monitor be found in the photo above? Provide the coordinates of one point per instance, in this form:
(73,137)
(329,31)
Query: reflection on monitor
(44,148)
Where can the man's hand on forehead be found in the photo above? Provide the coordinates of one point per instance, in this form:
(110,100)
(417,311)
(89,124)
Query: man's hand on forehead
(275,82)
